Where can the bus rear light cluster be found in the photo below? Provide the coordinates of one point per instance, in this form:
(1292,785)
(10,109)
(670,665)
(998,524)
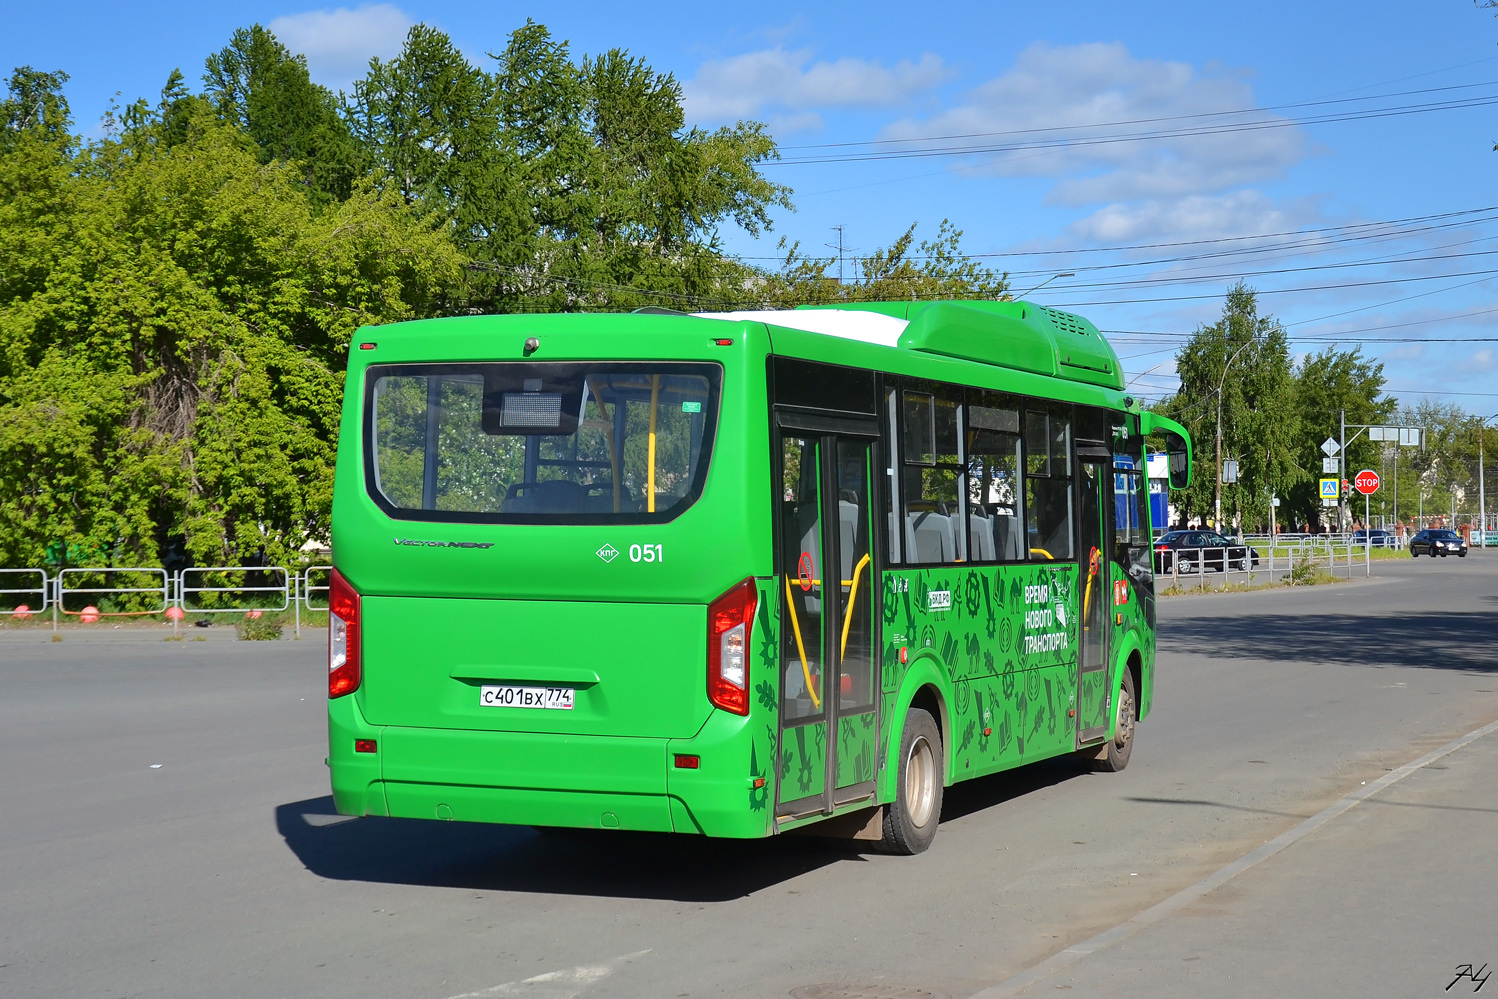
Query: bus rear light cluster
(344,666)
(729,621)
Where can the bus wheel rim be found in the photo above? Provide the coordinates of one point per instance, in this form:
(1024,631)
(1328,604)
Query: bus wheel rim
(1123,729)
(920,781)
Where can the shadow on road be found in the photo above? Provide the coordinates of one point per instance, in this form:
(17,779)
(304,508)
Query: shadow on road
(971,796)
(596,862)
(563,862)
(1431,640)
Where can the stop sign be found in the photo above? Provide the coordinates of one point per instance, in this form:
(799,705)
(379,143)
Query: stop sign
(1366,482)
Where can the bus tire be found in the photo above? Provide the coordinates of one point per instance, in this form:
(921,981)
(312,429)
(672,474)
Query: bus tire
(910,820)
(1115,755)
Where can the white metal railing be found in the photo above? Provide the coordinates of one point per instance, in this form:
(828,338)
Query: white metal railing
(305,589)
(170,597)
(24,610)
(63,591)
(282,590)
(1257,557)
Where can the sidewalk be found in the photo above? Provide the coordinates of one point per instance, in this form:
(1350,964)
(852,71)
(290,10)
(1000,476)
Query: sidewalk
(1392,898)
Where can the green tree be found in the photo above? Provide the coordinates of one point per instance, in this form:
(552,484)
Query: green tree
(937,269)
(569,185)
(1329,384)
(35,106)
(1442,473)
(1239,367)
(174,323)
(257,84)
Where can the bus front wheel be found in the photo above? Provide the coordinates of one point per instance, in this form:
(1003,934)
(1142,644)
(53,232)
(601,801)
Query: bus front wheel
(910,820)
(1116,755)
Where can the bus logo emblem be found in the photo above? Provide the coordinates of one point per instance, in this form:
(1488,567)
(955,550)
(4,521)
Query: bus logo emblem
(608,552)
(939,600)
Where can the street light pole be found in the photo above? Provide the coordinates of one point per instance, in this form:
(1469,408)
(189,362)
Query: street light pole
(1342,472)
(1217,485)
(1482,493)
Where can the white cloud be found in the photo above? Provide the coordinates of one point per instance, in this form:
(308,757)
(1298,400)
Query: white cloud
(1053,89)
(339,43)
(1196,216)
(744,86)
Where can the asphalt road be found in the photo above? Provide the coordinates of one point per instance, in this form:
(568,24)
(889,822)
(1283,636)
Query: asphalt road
(223,871)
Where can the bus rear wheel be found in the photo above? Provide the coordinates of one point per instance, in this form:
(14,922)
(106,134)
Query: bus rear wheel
(1116,755)
(910,820)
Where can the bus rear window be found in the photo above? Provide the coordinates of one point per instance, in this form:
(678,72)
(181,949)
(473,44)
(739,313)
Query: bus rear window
(545,442)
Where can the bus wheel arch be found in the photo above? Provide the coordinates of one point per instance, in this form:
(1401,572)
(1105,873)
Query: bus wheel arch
(924,686)
(1113,755)
(1135,666)
(929,699)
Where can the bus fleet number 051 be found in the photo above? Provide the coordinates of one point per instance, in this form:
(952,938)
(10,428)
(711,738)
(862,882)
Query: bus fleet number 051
(646,553)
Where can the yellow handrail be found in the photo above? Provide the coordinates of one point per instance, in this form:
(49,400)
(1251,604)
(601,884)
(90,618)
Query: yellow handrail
(790,604)
(852,596)
(1042,551)
(655,395)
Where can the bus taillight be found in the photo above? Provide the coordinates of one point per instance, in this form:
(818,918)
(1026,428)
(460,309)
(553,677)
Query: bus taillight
(343,637)
(729,619)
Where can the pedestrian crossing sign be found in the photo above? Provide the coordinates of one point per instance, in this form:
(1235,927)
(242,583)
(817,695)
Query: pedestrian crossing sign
(1329,488)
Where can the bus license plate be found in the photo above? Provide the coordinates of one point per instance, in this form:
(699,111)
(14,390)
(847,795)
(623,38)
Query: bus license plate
(527,697)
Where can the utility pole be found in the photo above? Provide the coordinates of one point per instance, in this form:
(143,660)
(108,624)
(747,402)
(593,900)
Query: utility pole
(839,249)
(1217,485)
(1342,474)
(1482,492)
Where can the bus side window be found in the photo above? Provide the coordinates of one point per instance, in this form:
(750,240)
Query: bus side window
(930,478)
(1048,493)
(994,501)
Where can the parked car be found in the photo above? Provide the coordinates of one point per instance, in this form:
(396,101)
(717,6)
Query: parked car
(1376,538)
(1438,541)
(1194,550)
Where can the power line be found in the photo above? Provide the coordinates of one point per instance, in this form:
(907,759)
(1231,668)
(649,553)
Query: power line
(1177,133)
(1350,230)
(1143,121)
(1282,291)
(1287,249)
(1168,280)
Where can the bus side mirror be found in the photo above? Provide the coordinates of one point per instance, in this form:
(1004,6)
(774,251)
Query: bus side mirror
(1180,460)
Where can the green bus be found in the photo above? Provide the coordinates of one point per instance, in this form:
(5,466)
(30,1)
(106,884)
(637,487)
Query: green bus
(735,574)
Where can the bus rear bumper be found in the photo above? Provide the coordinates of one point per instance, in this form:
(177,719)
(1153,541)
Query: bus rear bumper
(518,778)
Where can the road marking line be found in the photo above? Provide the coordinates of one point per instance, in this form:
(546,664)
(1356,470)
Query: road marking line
(556,984)
(1123,931)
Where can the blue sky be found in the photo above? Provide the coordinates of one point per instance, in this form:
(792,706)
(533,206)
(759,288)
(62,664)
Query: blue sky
(1312,120)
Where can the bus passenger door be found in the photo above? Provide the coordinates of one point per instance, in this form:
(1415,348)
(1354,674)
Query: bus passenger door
(1093,506)
(828,720)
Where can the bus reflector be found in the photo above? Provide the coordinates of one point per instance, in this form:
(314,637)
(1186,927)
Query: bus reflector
(364,745)
(685,762)
(728,624)
(343,637)
(723,343)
